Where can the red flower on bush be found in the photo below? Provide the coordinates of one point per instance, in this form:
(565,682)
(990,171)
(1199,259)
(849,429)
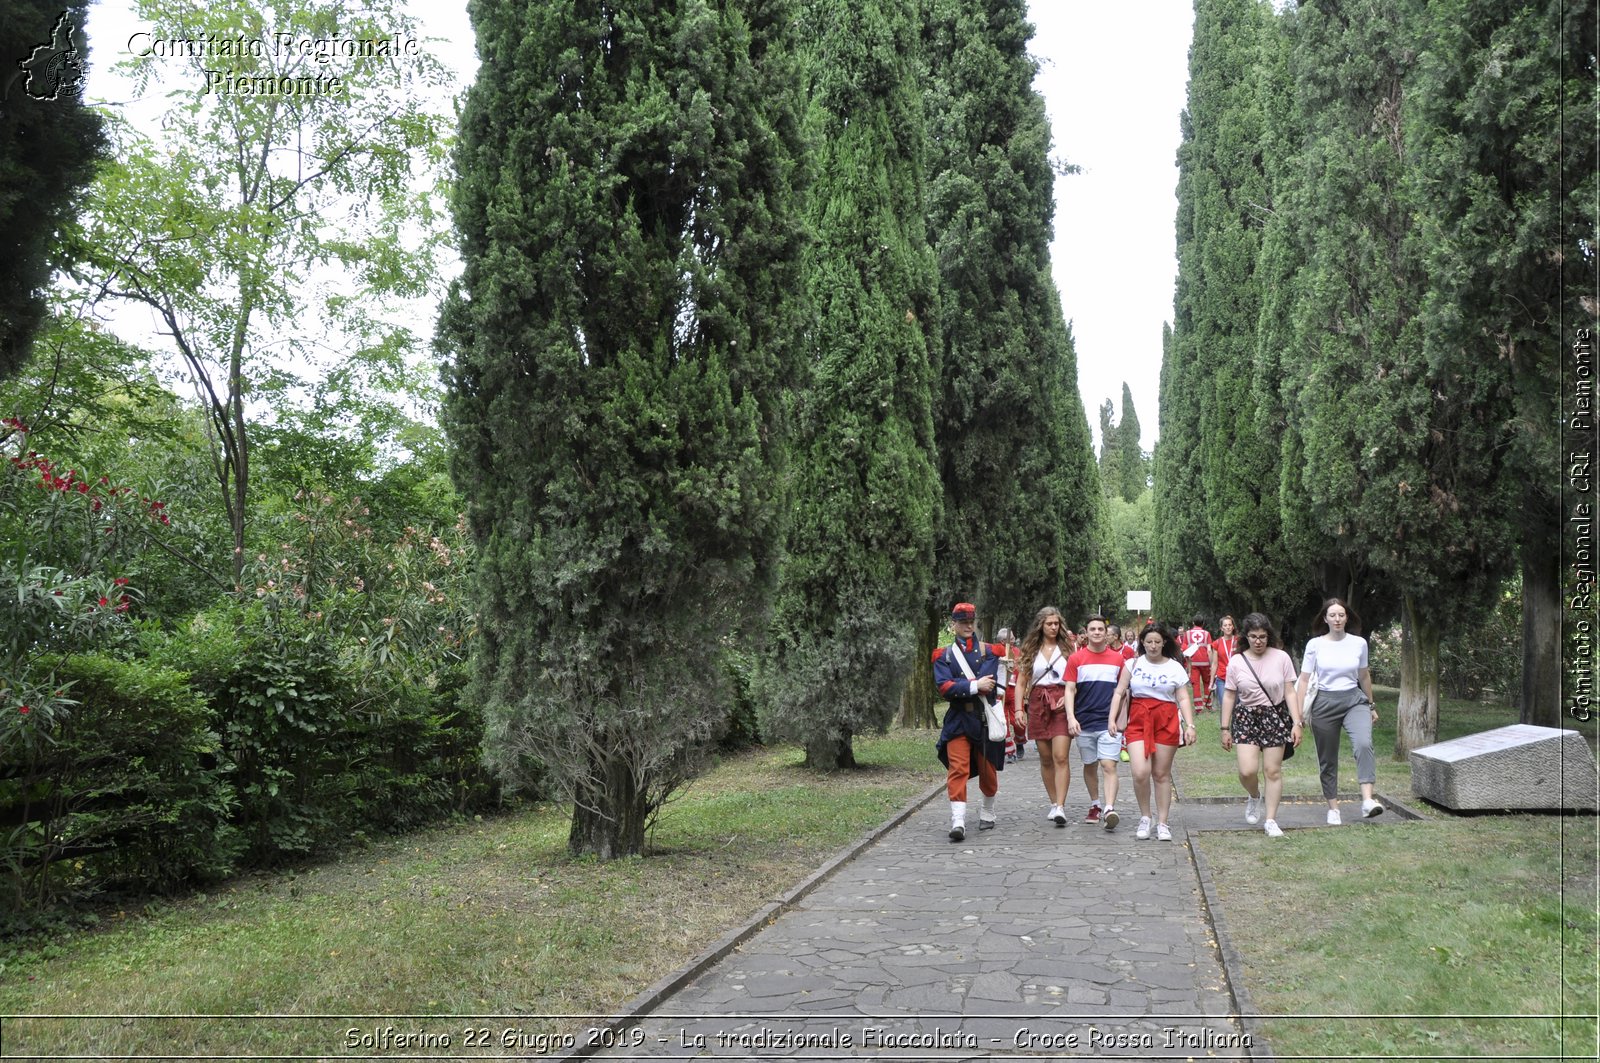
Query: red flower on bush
(24,710)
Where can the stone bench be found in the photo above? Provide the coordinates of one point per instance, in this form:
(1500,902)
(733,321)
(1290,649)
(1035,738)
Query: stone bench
(1516,767)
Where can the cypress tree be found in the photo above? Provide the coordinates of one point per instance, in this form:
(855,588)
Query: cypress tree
(854,585)
(1131,464)
(1506,213)
(1185,571)
(1314,554)
(49,144)
(1110,451)
(614,344)
(1224,187)
(1406,443)
(1016,463)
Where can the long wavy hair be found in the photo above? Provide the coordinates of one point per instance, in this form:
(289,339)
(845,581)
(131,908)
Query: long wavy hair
(1034,640)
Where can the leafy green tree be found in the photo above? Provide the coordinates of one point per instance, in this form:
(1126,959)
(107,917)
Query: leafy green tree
(50,144)
(1505,189)
(616,347)
(855,581)
(1310,547)
(1406,443)
(1132,532)
(1132,466)
(212,226)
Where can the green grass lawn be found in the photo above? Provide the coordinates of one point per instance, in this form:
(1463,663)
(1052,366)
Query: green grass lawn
(486,918)
(1397,932)
(1407,940)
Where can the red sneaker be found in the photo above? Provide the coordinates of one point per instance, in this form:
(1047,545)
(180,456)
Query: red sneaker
(1094,814)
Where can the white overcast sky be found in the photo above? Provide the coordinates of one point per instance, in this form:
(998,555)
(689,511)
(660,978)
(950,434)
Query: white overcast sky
(1113,77)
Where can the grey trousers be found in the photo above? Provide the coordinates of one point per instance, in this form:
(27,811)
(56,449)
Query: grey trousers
(1351,710)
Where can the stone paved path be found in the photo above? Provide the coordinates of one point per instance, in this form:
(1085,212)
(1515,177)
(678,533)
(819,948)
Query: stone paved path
(1030,941)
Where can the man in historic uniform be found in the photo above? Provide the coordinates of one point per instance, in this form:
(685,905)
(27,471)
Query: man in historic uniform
(967,675)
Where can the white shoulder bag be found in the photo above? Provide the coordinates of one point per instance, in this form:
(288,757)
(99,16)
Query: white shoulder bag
(992,715)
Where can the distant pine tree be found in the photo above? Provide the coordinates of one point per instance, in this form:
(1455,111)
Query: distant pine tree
(623,324)
(1110,451)
(1132,468)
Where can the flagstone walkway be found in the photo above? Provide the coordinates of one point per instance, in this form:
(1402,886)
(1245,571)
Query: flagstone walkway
(1030,941)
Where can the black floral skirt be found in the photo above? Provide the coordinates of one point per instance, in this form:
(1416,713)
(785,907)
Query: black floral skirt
(1261,727)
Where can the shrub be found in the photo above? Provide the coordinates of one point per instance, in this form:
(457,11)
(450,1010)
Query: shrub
(124,788)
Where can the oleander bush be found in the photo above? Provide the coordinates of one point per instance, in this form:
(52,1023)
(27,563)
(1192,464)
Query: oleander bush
(123,788)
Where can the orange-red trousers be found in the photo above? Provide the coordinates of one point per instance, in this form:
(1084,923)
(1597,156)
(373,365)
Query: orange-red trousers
(959,750)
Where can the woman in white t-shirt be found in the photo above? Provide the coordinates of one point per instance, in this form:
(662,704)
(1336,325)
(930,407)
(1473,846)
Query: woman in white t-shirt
(1153,705)
(1337,659)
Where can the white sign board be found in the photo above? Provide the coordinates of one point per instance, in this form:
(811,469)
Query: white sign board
(1138,601)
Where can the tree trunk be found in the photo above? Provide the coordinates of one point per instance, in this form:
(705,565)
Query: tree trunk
(830,752)
(1417,722)
(1541,632)
(916,700)
(609,817)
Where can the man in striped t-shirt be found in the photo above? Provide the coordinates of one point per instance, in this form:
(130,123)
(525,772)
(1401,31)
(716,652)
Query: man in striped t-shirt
(1092,674)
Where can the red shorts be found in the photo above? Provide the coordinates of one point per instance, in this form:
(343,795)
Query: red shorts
(1047,713)
(1153,722)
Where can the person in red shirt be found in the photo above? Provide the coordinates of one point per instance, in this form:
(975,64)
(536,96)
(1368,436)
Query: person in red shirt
(1223,647)
(1196,646)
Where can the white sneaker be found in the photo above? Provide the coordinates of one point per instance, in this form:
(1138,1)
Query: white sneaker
(1058,814)
(1144,828)
(1273,830)
(1252,810)
(1163,833)
(1333,817)
(1370,808)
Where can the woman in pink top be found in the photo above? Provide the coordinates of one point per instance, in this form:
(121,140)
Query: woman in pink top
(1260,716)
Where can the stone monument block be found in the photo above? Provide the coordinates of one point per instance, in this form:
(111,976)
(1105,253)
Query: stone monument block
(1520,766)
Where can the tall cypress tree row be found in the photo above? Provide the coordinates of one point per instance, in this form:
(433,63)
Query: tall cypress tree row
(1506,211)
(1016,461)
(1185,573)
(1310,547)
(615,341)
(1131,464)
(854,585)
(1224,185)
(1406,444)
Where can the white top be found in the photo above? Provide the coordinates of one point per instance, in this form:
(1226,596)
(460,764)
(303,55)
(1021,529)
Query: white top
(1335,664)
(1159,681)
(1043,662)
